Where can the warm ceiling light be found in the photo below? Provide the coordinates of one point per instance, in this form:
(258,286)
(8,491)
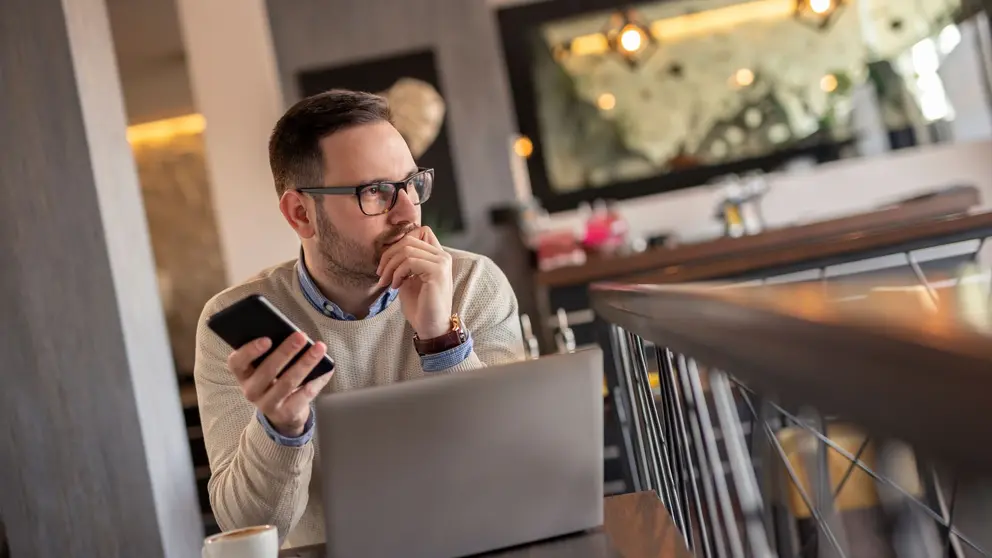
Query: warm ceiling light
(744,77)
(523,147)
(820,7)
(606,101)
(818,13)
(829,83)
(164,130)
(631,38)
(681,27)
(628,37)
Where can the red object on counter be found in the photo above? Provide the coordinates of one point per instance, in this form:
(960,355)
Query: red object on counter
(606,230)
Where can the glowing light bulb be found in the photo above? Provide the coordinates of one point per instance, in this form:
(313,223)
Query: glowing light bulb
(828,83)
(744,77)
(631,39)
(606,101)
(820,6)
(523,147)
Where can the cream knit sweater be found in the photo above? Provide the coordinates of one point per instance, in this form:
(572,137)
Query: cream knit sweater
(256,481)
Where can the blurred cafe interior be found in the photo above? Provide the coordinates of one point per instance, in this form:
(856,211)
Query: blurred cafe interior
(770,215)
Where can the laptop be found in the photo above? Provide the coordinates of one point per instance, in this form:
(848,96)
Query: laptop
(460,464)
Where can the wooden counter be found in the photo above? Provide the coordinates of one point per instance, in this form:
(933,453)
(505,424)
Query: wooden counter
(939,214)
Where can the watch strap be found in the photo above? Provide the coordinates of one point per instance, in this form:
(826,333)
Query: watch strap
(442,343)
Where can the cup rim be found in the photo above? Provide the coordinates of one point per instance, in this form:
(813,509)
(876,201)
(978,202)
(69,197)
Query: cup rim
(223,534)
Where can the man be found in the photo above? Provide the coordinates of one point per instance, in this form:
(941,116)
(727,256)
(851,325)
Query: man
(372,287)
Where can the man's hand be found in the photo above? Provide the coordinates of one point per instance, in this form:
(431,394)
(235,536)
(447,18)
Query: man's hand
(421,270)
(282,400)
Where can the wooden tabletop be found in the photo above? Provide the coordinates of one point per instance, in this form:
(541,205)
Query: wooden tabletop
(634,526)
(639,527)
(942,213)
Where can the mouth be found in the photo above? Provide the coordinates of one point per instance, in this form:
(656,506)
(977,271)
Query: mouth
(396,238)
(393,240)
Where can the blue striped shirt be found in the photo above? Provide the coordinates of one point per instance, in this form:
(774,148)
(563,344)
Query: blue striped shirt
(431,363)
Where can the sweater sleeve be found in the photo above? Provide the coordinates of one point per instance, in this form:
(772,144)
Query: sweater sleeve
(489,310)
(253,480)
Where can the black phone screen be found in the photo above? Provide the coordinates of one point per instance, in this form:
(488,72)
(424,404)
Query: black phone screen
(253,317)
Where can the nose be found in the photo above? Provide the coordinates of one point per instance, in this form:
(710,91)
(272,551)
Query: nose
(405,209)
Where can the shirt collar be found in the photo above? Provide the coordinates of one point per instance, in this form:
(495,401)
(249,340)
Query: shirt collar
(328,308)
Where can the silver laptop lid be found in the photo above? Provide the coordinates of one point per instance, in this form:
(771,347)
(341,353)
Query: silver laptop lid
(464,463)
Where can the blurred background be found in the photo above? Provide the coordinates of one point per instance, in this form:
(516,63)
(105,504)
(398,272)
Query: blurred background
(575,141)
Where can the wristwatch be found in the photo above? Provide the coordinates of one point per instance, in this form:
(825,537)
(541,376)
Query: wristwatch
(440,344)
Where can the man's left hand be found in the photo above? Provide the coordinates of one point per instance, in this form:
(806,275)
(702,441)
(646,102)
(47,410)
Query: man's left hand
(421,270)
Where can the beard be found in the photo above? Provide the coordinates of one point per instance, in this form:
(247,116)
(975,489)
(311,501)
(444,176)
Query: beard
(348,260)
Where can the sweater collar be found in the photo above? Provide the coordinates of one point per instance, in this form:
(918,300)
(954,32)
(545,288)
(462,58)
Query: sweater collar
(323,305)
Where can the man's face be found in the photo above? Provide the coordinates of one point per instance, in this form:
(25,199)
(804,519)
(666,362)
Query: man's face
(350,242)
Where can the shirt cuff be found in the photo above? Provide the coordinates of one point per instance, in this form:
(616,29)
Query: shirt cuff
(297,442)
(445,360)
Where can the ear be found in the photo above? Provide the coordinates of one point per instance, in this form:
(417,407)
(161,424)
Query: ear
(299,210)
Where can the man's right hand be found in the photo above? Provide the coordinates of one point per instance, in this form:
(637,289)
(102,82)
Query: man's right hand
(283,401)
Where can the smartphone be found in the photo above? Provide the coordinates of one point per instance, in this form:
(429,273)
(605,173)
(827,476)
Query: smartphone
(253,317)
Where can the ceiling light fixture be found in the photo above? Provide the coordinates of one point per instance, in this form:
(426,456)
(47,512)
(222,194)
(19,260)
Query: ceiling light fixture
(677,28)
(819,14)
(161,131)
(629,37)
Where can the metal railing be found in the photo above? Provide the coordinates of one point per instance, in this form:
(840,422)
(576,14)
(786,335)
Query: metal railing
(789,421)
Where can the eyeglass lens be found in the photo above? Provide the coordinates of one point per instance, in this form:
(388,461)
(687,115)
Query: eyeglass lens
(379,198)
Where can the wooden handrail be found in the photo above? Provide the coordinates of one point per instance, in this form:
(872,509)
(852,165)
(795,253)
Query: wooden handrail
(921,376)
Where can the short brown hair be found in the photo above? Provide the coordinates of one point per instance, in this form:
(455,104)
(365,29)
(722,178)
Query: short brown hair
(294,146)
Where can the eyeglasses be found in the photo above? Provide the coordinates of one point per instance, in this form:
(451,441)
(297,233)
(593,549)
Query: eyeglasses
(379,197)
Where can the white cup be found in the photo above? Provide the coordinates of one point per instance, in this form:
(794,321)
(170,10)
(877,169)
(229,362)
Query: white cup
(261,541)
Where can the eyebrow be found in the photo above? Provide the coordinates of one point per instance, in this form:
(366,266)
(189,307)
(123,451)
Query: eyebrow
(381,180)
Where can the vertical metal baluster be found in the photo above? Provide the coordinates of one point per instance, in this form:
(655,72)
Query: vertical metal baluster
(675,462)
(665,364)
(628,443)
(719,475)
(677,441)
(622,406)
(644,439)
(619,337)
(645,399)
(740,465)
(705,474)
(667,472)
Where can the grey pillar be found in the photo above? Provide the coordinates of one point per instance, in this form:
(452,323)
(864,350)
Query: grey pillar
(94,460)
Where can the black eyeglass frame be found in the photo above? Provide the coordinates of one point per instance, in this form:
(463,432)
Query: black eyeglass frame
(357,190)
